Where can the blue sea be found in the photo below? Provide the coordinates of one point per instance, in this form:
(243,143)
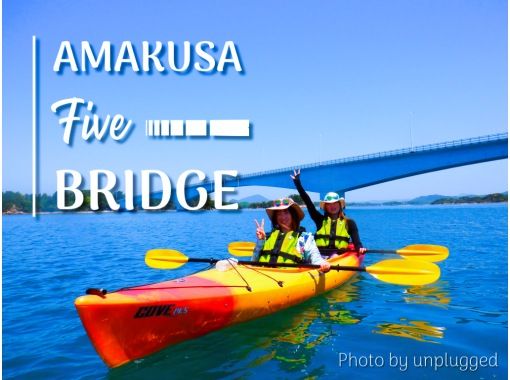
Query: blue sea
(454,328)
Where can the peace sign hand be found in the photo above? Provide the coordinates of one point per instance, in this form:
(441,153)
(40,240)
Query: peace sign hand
(296,175)
(261,234)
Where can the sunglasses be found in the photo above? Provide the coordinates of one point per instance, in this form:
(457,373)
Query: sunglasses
(329,198)
(282,202)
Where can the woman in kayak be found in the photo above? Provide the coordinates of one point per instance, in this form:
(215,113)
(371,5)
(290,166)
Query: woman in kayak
(334,229)
(287,242)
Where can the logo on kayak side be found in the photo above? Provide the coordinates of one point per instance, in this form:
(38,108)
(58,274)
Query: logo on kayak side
(169,310)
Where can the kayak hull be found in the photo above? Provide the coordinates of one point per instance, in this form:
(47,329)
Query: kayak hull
(132,323)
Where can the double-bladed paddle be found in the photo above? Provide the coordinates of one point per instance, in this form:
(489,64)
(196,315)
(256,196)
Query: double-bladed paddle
(424,252)
(401,272)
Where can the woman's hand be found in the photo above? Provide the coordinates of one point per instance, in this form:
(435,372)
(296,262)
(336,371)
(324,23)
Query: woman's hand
(296,175)
(325,267)
(362,250)
(261,234)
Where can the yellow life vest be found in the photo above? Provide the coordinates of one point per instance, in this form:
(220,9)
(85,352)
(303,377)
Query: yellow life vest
(333,234)
(280,247)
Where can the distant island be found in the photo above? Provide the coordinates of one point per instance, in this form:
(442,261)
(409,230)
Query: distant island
(435,199)
(14,203)
(441,200)
(17,203)
(490,198)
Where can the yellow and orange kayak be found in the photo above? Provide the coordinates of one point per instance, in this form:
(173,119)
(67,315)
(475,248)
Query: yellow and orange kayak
(135,322)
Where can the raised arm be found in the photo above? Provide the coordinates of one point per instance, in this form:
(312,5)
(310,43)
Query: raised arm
(316,216)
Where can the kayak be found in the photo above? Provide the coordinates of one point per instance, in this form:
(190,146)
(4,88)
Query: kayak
(134,322)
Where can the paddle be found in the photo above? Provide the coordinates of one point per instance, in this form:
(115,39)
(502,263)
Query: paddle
(425,252)
(401,272)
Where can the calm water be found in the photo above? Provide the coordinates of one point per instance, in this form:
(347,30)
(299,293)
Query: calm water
(366,328)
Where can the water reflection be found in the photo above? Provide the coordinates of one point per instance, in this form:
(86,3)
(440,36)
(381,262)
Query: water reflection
(420,330)
(434,295)
(294,346)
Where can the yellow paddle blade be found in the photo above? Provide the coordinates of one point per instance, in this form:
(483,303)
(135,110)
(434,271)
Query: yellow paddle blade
(425,252)
(405,272)
(241,248)
(165,258)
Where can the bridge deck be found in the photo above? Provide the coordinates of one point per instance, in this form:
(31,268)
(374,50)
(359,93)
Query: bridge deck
(356,172)
(500,137)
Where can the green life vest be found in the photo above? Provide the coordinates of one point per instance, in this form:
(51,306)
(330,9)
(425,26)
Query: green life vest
(280,247)
(332,234)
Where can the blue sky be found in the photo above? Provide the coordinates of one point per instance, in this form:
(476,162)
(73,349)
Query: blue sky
(322,81)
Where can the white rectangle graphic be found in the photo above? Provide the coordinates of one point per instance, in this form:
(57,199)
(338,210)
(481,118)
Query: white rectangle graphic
(196,127)
(157,130)
(165,128)
(150,128)
(177,127)
(230,128)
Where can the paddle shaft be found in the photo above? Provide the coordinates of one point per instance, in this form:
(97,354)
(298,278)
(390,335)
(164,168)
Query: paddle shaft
(343,250)
(339,250)
(381,251)
(401,252)
(424,252)
(330,251)
(280,265)
(402,272)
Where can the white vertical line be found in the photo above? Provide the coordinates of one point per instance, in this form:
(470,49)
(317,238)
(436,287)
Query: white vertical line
(34,126)
(157,128)
(151,128)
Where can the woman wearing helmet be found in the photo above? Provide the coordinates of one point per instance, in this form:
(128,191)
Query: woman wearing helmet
(334,229)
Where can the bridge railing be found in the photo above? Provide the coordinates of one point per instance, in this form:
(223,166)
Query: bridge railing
(397,152)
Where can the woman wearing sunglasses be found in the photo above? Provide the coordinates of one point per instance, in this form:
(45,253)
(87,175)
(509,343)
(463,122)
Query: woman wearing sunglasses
(334,229)
(287,242)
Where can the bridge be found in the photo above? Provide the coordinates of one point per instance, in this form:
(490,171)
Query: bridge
(352,173)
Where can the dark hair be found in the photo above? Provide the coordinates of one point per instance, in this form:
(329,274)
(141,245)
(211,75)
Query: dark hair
(293,214)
